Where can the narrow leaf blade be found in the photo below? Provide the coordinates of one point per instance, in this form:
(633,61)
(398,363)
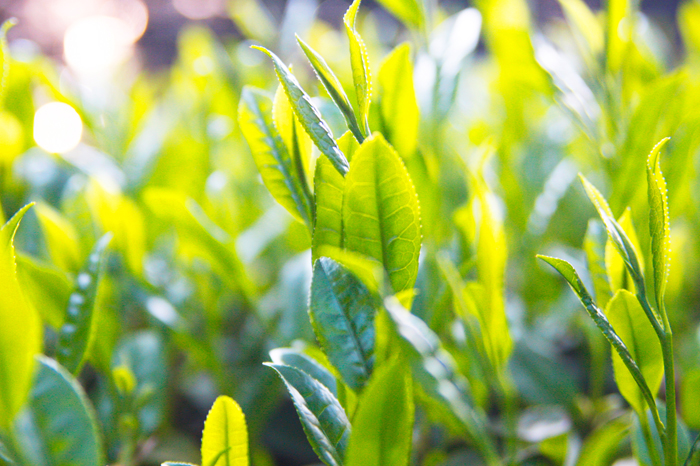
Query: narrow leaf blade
(225,435)
(298,360)
(659,223)
(360,66)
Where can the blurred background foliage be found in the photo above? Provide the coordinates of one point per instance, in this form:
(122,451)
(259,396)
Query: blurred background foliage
(120,116)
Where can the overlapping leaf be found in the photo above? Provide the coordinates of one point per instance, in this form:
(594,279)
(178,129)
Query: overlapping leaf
(298,360)
(360,66)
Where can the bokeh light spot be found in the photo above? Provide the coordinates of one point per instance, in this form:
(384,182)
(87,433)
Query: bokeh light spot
(57,127)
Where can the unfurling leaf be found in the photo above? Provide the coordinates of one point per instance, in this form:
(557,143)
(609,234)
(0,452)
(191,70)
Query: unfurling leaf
(659,224)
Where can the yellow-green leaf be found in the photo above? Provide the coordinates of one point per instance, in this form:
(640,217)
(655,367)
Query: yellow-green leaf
(398,104)
(299,144)
(20,330)
(61,238)
(594,245)
(618,275)
(408,11)
(381,216)
(46,288)
(225,431)
(586,24)
(360,66)
(659,224)
(627,317)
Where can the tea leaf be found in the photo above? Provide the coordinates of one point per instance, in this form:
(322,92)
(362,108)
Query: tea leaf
(383,422)
(627,317)
(360,66)
(569,273)
(61,238)
(4,62)
(579,15)
(46,288)
(299,144)
(617,271)
(381,216)
(408,11)
(225,435)
(659,224)
(308,114)
(20,329)
(59,410)
(594,246)
(324,421)
(601,446)
(271,156)
(342,314)
(77,331)
(694,454)
(298,360)
(334,88)
(398,104)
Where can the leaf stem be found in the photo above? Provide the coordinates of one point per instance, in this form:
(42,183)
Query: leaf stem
(671,438)
(649,439)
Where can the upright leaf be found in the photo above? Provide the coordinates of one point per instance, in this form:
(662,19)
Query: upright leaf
(46,288)
(334,88)
(60,413)
(271,156)
(20,330)
(618,274)
(381,216)
(77,331)
(342,314)
(308,114)
(299,144)
(627,317)
(659,224)
(323,419)
(360,66)
(408,11)
(225,435)
(61,238)
(383,423)
(4,59)
(594,246)
(398,105)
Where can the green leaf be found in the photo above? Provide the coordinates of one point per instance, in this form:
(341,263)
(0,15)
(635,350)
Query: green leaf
(383,423)
(694,454)
(170,463)
(618,275)
(342,314)
(4,62)
(580,16)
(408,11)
(360,66)
(324,420)
(594,246)
(20,330)
(271,155)
(627,317)
(689,401)
(436,372)
(659,225)
(308,114)
(398,105)
(569,273)
(46,288)
(602,445)
(334,88)
(60,414)
(78,330)
(61,238)
(640,446)
(381,216)
(298,360)
(225,436)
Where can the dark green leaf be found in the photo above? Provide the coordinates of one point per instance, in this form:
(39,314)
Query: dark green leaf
(77,331)
(381,216)
(308,114)
(298,360)
(342,313)
(324,420)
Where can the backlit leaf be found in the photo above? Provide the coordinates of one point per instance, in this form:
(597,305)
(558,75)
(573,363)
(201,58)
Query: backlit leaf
(225,431)
(408,11)
(77,331)
(618,275)
(20,329)
(342,314)
(298,360)
(46,288)
(360,66)
(308,114)
(299,144)
(381,216)
(271,156)
(627,317)
(324,421)
(594,245)
(61,238)
(383,422)
(4,60)
(659,224)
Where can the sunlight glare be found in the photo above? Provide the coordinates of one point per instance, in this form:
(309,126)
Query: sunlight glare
(57,127)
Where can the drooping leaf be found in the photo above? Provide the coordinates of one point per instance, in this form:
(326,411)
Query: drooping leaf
(61,414)
(46,288)
(298,360)
(225,435)
(398,104)
(659,224)
(360,66)
(308,114)
(383,422)
(627,317)
(324,421)
(20,330)
(594,246)
(381,216)
(569,273)
(408,11)
(271,156)
(435,371)
(78,330)
(334,88)
(61,238)
(342,314)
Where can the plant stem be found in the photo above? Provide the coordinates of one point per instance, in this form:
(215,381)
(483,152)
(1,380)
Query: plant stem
(649,439)
(671,441)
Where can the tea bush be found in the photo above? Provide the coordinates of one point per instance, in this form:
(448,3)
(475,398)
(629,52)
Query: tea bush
(356,235)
